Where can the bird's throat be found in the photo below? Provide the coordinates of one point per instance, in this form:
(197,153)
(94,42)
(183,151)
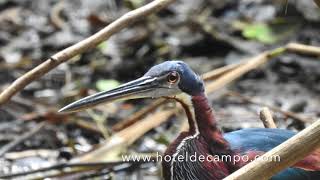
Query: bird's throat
(201,118)
(186,102)
(206,121)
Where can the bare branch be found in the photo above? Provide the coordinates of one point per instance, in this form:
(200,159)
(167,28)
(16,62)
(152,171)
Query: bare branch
(82,46)
(303,49)
(250,64)
(138,115)
(273,108)
(21,139)
(266,118)
(317,2)
(214,74)
(115,144)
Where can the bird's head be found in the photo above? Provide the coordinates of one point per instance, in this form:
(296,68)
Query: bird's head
(167,79)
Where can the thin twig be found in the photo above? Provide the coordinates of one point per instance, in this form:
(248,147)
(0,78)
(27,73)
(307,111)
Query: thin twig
(14,155)
(138,115)
(115,144)
(273,108)
(56,20)
(303,49)
(20,139)
(290,152)
(317,2)
(61,166)
(100,122)
(250,64)
(82,46)
(266,118)
(214,74)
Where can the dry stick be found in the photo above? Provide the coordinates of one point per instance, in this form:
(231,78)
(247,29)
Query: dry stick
(248,66)
(55,18)
(122,139)
(273,108)
(266,118)
(126,137)
(138,115)
(317,2)
(45,153)
(67,166)
(20,139)
(82,46)
(86,125)
(303,49)
(214,74)
(290,152)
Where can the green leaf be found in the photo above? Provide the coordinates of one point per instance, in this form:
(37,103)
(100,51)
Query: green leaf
(260,32)
(162,139)
(137,3)
(106,84)
(102,46)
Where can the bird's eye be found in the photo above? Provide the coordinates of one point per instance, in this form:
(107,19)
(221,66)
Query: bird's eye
(173,77)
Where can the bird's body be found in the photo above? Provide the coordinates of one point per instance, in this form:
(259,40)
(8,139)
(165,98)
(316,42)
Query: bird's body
(212,170)
(230,150)
(203,139)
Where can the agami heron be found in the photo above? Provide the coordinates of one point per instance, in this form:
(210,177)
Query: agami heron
(176,79)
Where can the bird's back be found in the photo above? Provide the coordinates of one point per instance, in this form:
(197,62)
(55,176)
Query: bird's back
(263,140)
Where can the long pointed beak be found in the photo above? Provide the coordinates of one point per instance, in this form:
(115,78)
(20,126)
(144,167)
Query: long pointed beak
(139,88)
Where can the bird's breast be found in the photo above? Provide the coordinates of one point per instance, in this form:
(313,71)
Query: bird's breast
(191,158)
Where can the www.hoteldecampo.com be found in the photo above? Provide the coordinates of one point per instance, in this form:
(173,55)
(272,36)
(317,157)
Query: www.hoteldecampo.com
(194,157)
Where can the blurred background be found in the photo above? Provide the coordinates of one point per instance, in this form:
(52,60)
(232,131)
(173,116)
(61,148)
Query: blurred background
(206,34)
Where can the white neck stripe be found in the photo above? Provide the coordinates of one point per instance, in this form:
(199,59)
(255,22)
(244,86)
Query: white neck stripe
(183,141)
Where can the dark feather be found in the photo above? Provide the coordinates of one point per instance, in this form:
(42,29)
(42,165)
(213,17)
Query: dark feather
(263,140)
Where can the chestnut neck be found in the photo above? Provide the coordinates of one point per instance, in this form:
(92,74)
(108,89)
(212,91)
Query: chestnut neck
(205,120)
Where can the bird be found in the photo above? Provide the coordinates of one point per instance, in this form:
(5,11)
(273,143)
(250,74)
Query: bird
(176,80)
